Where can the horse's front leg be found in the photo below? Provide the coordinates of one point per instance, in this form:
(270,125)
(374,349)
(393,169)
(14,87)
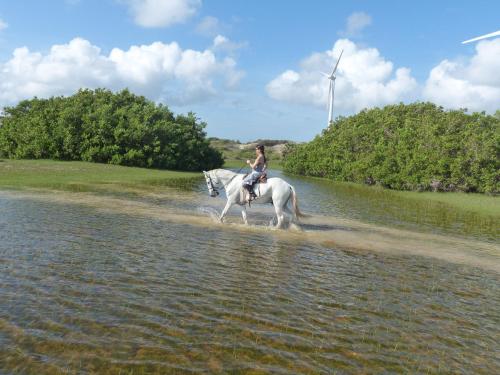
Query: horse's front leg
(244,214)
(224,211)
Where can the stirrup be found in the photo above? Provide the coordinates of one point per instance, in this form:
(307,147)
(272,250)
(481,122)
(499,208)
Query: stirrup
(251,196)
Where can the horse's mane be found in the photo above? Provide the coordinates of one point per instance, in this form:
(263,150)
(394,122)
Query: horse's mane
(224,172)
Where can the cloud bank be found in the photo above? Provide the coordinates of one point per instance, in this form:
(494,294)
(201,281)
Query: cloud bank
(472,83)
(367,79)
(160,71)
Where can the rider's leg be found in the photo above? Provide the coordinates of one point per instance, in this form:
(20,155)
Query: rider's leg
(250,193)
(249,182)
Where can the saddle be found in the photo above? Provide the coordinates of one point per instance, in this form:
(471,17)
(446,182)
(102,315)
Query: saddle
(262,179)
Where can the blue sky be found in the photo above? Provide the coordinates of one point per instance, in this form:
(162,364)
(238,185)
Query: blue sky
(250,69)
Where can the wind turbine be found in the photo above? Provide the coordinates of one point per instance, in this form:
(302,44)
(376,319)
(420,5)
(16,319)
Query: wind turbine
(331,90)
(496,33)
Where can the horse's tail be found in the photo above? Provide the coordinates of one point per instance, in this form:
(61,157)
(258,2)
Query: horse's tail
(295,205)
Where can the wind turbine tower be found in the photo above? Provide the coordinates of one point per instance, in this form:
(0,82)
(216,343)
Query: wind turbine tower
(331,91)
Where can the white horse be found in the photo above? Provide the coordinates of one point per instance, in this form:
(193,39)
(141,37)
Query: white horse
(275,191)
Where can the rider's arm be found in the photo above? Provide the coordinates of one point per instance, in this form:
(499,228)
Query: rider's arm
(255,163)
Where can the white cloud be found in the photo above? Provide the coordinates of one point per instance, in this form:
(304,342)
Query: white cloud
(159,71)
(161,13)
(364,79)
(3,25)
(222,43)
(356,23)
(473,83)
(208,26)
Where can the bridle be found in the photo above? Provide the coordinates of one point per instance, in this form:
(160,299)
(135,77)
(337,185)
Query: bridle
(214,189)
(212,186)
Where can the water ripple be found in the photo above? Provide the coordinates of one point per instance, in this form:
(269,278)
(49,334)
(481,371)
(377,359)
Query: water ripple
(86,290)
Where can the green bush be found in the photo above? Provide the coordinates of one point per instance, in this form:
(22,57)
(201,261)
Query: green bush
(105,127)
(417,146)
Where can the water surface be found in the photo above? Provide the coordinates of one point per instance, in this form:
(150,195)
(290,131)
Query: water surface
(151,284)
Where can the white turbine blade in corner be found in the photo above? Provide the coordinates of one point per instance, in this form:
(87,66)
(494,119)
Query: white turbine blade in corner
(496,33)
(337,64)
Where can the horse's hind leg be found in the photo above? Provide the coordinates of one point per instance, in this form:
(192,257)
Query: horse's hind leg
(280,216)
(289,212)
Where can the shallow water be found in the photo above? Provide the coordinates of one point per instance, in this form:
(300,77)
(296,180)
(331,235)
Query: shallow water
(151,284)
(384,207)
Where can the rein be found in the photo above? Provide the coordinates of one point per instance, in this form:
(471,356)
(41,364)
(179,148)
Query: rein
(239,170)
(231,179)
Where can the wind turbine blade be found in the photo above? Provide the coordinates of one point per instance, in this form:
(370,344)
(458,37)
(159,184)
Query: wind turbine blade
(337,64)
(325,74)
(496,33)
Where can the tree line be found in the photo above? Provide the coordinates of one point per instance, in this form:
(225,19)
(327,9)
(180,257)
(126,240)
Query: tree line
(106,127)
(417,146)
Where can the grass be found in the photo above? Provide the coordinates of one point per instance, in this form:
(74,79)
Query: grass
(83,176)
(482,204)
(478,203)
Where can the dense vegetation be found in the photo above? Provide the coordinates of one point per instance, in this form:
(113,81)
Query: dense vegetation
(408,147)
(105,127)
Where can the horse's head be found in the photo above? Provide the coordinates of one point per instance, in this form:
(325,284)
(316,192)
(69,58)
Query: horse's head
(212,180)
